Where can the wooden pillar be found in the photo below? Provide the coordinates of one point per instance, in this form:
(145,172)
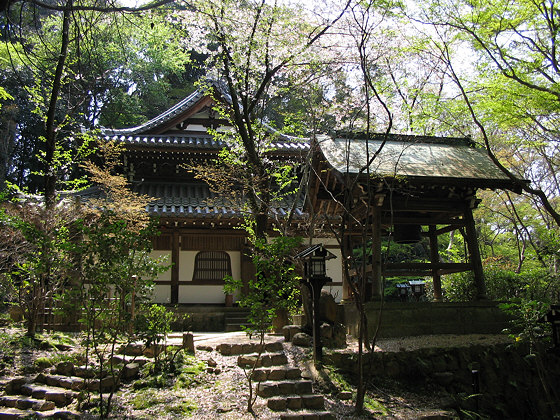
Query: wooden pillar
(434,258)
(376,254)
(247,269)
(474,254)
(175,249)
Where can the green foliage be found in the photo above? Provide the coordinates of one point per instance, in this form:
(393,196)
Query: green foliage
(183,409)
(182,372)
(38,259)
(152,324)
(526,314)
(148,398)
(275,286)
(459,287)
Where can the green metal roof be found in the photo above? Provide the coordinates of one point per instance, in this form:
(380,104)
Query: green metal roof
(420,157)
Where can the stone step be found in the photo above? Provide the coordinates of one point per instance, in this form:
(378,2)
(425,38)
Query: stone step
(15,413)
(248,348)
(297,402)
(269,389)
(266,360)
(59,396)
(26,403)
(316,415)
(236,326)
(121,359)
(13,385)
(75,383)
(276,373)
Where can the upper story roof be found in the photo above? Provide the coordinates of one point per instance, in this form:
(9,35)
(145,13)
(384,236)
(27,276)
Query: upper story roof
(185,125)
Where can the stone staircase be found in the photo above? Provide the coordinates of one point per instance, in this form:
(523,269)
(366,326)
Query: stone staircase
(52,394)
(235,321)
(42,396)
(286,391)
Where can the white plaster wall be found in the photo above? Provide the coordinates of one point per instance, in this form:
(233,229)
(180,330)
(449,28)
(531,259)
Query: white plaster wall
(235,257)
(161,293)
(202,294)
(186,265)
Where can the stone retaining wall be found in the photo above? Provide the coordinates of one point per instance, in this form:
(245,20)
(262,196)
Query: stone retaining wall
(423,318)
(513,384)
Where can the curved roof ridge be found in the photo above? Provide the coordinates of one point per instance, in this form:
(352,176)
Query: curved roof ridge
(180,106)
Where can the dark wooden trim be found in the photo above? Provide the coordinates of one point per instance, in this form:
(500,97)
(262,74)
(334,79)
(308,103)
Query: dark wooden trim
(190,283)
(419,269)
(450,228)
(175,269)
(333,283)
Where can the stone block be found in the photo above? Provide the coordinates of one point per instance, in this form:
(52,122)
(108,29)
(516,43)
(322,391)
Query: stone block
(302,339)
(249,361)
(295,403)
(286,388)
(276,374)
(277,404)
(85,372)
(65,368)
(9,401)
(132,349)
(267,389)
(278,359)
(60,398)
(274,347)
(202,347)
(72,382)
(303,387)
(225,349)
(313,402)
(14,385)
(293,373)
(326,331)
(327,307)
(131,370)
(260,375)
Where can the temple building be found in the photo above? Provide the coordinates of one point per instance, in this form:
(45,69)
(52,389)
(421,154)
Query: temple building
(409,187)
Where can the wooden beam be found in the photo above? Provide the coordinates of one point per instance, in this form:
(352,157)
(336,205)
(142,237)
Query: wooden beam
(175,253)
(450,228)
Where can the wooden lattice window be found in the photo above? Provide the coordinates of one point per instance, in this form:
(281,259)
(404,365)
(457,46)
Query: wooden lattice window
(211,266)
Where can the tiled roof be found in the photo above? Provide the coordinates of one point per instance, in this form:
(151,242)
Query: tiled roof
(195,200)
(201,141)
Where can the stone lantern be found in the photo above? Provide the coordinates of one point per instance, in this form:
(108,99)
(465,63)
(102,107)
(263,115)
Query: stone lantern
(315,277)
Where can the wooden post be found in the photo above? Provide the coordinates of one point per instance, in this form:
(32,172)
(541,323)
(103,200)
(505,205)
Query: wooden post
(316,285)
(434,257)
(376,254)
(175,254)
(474,255)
